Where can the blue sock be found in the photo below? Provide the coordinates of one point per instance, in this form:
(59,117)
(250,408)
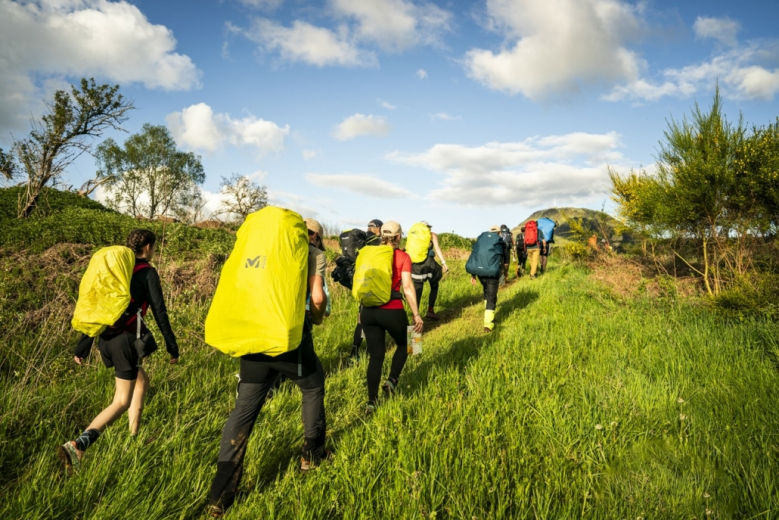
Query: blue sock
(86,439)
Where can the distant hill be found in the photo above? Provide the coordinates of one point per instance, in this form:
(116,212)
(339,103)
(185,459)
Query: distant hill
(589,220)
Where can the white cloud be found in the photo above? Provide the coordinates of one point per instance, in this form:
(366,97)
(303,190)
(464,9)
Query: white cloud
(310,154)
(560,46)
(295,202)
(395,25)
(724,30)
(197,127)
(421,73)
(113,41)
(386,104)
(360,124)
(308,43)
(360,184)
(742,72)
(443,116)
(571,167)
(264,5)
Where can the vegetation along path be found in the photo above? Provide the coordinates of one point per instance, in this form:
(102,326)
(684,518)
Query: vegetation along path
(581,403)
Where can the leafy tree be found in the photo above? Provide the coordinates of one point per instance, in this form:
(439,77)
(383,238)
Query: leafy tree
(73,120)
(191,206)
(7,166)
(242,196)
(148,176)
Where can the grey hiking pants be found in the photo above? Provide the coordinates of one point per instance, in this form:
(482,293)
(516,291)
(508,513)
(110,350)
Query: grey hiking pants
(258,374)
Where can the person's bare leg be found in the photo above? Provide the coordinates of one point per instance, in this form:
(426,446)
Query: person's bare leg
(136,405)
(122,399)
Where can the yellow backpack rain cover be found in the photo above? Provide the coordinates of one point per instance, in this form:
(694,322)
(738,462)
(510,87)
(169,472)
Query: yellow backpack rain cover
(260,302)
(372,285)
(104,292)
(418,242)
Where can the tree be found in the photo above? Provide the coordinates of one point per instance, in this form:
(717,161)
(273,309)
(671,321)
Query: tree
(191,206)
(148,176)
(73,120)
(7,165)
(242,196)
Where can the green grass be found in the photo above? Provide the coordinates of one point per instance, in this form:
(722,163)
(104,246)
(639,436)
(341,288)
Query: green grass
(485,426)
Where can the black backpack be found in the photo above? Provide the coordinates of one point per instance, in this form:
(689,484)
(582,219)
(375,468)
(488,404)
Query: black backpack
(351,241)
(505,234)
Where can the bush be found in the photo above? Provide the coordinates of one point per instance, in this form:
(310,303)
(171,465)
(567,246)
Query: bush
(453,241)
(51,201)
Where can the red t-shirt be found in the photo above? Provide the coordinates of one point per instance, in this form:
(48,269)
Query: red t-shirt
(401,263)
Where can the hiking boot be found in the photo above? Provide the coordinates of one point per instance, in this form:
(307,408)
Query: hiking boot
(69,456)
(370,408)
(432,316)
(215,511)
(313,462)
(487,330)
(389,386)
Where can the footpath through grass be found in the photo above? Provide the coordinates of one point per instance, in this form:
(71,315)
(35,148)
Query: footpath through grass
(578,405)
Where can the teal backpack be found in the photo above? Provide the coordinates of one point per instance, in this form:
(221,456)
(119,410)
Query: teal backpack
(486,256)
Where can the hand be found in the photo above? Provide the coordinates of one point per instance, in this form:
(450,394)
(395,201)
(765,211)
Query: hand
(77,359)
(473,280)
(418,323)
(446,268)
(174,360)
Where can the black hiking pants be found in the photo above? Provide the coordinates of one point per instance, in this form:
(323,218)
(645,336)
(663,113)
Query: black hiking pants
(375,322)
(490,285)
(427,271)
(258,374)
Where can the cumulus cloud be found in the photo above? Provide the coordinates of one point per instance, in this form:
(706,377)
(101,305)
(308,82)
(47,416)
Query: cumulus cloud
(359,125)
(360,184)
(571,167)
(558,46)
(310,154)
(198,127)
(307,43)
(386,104)
(743,72)
(395,25)
(421,73)
(724,30)
(73,38)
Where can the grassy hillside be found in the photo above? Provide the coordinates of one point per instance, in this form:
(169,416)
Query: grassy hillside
(589,219)
(581,403)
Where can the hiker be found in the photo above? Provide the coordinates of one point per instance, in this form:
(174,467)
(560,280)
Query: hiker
(534,239)
(508,240)
(487,263)
(372,238)
(259,370)
(546,228)
(389,317)
(422,246)
(521,252)
(118,350)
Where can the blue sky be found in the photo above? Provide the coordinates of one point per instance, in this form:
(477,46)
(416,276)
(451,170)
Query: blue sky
(465,114)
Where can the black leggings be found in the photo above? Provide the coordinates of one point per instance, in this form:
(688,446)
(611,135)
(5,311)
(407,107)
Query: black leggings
(375,322)
(431,299)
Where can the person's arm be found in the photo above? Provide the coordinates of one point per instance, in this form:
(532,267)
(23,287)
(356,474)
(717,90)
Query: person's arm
(318,298)
(411,299)
(83,348)
(437,249)
(473,280)
(157,304)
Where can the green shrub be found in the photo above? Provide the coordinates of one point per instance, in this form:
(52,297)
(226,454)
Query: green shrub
(51,201)
(451,240)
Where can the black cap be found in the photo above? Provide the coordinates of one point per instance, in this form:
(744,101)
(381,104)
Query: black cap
(375,223)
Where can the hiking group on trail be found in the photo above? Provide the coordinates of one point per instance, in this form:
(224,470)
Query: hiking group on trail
(277,271)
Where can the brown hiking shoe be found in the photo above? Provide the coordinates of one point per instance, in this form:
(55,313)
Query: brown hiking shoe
(432,316)
(487,330)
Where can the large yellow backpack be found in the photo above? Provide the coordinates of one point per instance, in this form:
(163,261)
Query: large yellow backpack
(104,292)
(372,285)
(260,301)
(418,242)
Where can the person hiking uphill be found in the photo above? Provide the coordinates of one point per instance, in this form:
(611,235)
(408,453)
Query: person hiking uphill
(486,262)
(390,318)
(372,238)
(259,371)
(422,246)
(546,228)
(118,350)
(508,240)
(521,251)
(534,241)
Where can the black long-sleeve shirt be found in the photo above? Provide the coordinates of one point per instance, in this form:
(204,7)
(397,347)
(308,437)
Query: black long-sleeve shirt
(144,287)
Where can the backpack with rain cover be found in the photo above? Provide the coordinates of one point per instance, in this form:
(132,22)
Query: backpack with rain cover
(372,285)
(104,292)
(547,227)
(531,233)
(418,242)
(486,255)
(260,303)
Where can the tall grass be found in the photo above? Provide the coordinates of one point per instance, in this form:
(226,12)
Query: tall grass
(579,404)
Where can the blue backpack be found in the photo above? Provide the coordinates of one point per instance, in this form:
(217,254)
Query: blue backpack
(486,256)
(547,225)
